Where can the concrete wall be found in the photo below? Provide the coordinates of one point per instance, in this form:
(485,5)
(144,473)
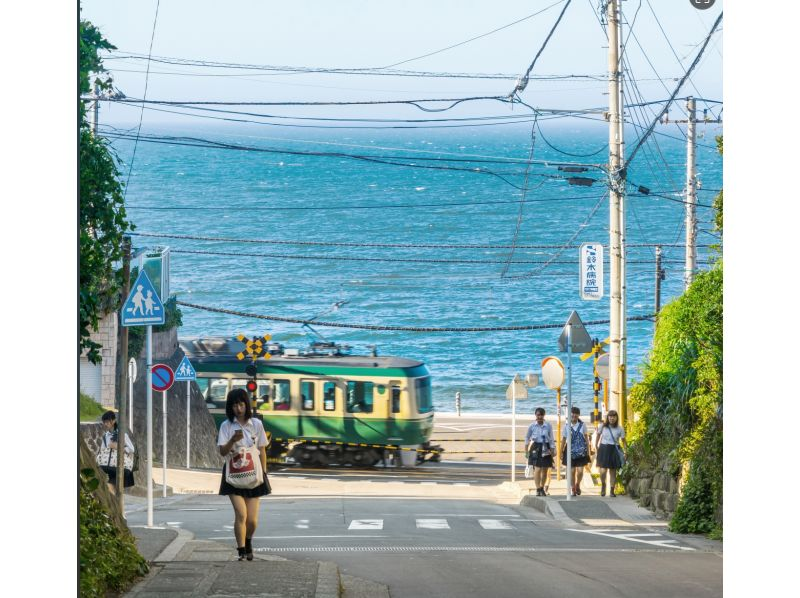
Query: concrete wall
(106,335)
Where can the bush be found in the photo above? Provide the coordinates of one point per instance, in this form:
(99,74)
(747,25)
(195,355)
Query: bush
(89,409)
(679,404)
(109,560)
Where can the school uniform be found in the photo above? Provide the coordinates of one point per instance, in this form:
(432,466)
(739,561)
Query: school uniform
(578,430)
(544,445)
(608,453)
(254,435)
(111,470)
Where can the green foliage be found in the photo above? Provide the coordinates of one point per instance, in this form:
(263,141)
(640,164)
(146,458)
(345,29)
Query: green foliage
(89,409)
(103,221)
(718,199)
(679,402)
(109,560)
(173,318)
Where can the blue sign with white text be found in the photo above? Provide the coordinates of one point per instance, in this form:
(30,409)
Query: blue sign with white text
(143,306)
(185,371)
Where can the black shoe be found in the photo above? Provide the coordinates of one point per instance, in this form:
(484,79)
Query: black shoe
(540,492)
(611,494)
(241,552)
(248,548)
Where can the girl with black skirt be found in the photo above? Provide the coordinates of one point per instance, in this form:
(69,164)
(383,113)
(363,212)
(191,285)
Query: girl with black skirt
(540,445)
(579,457)
(110,437)
(238,431)
(609,454)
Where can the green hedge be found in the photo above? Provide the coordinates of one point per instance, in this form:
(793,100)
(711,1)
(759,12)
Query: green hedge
(109,560)
(89,409)
(679,404)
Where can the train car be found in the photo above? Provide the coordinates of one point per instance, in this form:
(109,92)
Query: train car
(323,405)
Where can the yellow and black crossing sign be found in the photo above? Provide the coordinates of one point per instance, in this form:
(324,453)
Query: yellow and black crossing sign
(255,348)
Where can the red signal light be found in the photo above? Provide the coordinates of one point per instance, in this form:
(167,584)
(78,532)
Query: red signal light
(252,386)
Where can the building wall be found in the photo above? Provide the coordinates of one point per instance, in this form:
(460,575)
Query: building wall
(106,335)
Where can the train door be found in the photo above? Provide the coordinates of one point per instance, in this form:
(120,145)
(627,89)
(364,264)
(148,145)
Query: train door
(392,425)
(330,418)
(309,408)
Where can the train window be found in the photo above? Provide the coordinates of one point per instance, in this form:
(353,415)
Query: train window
(359,397)
(217,392)
(422,386)
(329,396)
(283,398)
(307,395)
(395,399)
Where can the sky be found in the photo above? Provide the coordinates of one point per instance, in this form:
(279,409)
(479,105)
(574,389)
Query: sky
(39,188)
(363,34)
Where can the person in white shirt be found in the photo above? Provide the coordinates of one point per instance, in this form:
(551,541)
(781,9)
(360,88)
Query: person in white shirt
(239,431)
(109,441)
(540,446)
(609,454)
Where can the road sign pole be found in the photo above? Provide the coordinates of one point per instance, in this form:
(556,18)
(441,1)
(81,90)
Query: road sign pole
(569,411)
(149,426)
(164,445)
(130,397)
(188,427)
(513,432)
(558,433)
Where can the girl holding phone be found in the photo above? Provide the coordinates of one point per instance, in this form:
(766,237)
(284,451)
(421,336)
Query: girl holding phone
(238,431)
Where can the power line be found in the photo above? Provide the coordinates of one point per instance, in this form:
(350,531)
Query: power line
(397,328)
(382,245)
(141,114)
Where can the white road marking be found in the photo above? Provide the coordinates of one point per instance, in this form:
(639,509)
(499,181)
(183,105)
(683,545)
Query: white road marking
(301,524)
(292,537)
(494,524)
(175,523)
(197,509)
(665,543)
(366,524)
(432,524)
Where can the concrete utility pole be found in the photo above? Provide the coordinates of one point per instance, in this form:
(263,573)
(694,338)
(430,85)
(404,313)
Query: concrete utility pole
(617,188)
(691,197)
(123,369)
(95,108)
(659,278)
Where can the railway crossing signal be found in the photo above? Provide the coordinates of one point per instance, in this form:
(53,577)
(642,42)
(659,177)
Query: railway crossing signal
(597,351)
(254,348)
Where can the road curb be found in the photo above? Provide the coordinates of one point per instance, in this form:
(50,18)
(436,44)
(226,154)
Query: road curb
(547,506)
(329,584)
(174,547)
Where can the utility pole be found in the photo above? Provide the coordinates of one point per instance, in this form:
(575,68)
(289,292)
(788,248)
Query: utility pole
(96,109)
(690,224)
(691,197)
(617,187)
(659,278)
(121,380)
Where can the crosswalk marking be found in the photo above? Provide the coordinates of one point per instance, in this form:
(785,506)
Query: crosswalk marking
(663,543)
(494,524)
(432,524)
(366,524)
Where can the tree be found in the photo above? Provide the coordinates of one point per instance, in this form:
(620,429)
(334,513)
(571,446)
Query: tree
(103,220)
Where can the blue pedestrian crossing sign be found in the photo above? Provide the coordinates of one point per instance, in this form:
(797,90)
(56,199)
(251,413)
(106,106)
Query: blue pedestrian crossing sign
(185,371)
(143,306)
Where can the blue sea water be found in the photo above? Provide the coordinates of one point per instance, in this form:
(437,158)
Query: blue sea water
(248,195)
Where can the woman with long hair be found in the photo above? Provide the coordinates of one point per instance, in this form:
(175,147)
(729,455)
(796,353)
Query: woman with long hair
(109,441)
(242,430)
(610,456)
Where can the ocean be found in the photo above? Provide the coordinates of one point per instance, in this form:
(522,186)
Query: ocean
(260,197)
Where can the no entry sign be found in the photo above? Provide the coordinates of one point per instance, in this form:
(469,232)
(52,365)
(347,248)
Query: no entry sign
(163,377)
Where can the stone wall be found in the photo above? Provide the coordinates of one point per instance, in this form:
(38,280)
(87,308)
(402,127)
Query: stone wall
(657,489)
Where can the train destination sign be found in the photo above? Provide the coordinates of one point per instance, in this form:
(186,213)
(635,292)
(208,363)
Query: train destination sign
(163,377)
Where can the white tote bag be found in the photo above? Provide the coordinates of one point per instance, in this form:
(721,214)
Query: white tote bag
(528,472)
(243,468)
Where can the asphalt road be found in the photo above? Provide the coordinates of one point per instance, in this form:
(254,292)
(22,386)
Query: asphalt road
(444,547)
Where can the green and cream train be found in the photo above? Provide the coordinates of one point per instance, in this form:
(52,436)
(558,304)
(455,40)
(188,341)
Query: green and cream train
(322,405)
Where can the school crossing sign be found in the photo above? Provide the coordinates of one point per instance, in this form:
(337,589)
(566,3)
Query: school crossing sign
(143,306)
(185,371)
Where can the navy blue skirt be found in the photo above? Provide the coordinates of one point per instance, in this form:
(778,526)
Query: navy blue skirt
(111,472)
(226,489)
(536,458)
(608,457)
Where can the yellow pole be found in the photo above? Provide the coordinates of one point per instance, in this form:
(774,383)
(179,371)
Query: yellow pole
(596,414)
(623,402)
